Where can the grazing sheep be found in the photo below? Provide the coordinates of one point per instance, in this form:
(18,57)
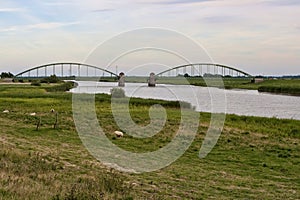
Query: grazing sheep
(52,110)
(119,133)
(6,111)
(32,114)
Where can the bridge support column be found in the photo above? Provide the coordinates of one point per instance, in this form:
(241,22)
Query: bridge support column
(121,82)
(200,70)
(152,81)
(70,70)
(62,70)
(78,70)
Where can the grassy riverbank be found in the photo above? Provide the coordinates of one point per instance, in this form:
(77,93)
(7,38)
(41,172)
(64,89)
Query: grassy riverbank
(277,86)
(255,158)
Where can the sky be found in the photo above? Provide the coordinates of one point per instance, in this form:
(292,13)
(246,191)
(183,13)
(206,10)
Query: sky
(261,37)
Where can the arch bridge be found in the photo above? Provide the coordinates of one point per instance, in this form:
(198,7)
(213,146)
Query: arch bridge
(66,70)
(79,70)
(203,69)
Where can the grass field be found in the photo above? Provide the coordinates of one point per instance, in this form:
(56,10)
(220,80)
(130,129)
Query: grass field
(255,158)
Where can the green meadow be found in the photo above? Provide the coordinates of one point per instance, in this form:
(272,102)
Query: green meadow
(255,158)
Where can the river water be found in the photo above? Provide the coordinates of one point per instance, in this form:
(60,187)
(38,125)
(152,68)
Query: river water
(240,102)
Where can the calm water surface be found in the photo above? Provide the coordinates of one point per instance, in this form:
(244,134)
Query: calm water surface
(240,102)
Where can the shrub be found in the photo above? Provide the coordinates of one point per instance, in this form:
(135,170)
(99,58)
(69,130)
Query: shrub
(6,75)
(35,83)
(62,87)
(51,79)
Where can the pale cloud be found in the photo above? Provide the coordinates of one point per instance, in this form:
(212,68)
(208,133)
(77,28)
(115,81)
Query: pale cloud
(103,10)
(42,26)
(283,2)
(2,10)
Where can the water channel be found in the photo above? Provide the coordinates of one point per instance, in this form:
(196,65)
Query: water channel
(240,102)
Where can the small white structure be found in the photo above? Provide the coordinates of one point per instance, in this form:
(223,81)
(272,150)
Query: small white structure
(119,133)
(6,111)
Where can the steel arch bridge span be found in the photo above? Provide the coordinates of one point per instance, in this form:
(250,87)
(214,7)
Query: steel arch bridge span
(65,69)
(200,69)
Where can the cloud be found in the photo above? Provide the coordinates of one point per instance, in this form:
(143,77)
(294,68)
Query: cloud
(179,2)
(186,1)
(41,26)
(60,3)
(5,10)
(221,19)
(50,25)
(103,10)
(283,2)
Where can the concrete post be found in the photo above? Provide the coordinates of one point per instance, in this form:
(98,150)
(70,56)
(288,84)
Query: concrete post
(121,82)
(152,81)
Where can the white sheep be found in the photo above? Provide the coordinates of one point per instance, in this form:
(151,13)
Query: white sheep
(6,111)
(119,133)
(32,114)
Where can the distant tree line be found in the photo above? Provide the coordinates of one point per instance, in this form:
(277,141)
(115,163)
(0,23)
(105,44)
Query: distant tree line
(6,75)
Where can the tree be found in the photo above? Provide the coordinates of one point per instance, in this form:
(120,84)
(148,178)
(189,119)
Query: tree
(186,75)
(6,75)
(52,79)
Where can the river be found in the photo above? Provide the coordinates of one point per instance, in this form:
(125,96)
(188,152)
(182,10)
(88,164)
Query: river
(240,102)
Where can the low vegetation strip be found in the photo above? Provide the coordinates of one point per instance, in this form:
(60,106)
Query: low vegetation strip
(280,90)
(255,158)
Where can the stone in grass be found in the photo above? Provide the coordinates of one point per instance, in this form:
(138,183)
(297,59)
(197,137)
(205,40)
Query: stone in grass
(118,133)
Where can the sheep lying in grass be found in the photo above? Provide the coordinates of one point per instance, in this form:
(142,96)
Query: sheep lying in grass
(6,111)
(119,133)
(32,114)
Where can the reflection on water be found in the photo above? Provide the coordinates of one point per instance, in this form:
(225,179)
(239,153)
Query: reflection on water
(240,102)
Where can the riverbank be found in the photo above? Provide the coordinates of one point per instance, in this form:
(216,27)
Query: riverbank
(255,158)
(276,86)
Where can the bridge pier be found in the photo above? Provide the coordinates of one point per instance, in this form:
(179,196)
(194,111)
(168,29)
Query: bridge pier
(151,80)
(121,81)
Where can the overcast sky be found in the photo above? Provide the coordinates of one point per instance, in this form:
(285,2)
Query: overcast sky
(257,36)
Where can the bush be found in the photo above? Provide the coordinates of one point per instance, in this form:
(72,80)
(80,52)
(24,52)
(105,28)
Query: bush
(62,87)
(35,83)
(51,79)
(117,93)
(6,75)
